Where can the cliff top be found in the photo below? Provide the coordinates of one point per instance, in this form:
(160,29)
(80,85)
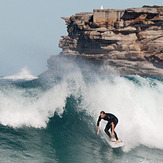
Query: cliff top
(130,39)
(154,6)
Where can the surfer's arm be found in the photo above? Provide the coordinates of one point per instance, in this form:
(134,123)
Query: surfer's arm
(98,123)
(98,130)
(112,133)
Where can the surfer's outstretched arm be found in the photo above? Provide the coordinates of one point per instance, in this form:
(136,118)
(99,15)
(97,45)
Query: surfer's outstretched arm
(98,130)
(98,123)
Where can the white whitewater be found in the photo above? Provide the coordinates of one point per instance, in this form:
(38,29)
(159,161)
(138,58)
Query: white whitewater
(138,106)
(24,74)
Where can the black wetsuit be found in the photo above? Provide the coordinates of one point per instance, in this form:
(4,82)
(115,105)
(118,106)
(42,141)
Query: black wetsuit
(110,118)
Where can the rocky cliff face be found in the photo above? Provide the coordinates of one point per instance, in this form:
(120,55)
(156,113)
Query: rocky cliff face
(129,40)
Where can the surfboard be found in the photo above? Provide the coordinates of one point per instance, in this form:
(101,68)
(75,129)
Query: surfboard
(112,142)
(114,145)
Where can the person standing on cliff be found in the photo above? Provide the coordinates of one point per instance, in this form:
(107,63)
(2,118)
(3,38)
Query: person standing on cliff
(112,122)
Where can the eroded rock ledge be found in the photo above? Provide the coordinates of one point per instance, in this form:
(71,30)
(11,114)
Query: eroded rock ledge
(129,40)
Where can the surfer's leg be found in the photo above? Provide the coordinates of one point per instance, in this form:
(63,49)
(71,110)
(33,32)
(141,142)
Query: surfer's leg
(115,123)
(108,126)
(116,135)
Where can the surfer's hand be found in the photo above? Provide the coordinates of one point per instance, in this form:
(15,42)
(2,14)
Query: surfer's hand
(98,132)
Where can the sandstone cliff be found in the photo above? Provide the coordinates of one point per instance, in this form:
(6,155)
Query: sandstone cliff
(129,40)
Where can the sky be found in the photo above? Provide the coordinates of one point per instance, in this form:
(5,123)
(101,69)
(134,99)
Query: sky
(30,30)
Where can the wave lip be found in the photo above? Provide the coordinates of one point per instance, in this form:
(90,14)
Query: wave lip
(24,74)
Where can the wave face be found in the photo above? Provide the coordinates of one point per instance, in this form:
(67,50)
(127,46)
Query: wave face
(53,119)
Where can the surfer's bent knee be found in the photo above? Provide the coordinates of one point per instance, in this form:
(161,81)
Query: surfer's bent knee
(105,130)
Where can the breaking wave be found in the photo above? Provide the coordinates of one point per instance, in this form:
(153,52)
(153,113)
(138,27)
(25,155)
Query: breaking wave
(136,101)
(24,74)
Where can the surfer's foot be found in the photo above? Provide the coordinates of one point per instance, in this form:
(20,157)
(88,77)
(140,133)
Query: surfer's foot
(111,139)
(117,141)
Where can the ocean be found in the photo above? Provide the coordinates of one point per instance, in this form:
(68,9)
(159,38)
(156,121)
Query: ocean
(52,119)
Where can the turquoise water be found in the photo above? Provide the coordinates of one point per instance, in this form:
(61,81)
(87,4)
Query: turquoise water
(54,119)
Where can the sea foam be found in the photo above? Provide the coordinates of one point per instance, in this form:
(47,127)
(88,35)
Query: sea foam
(24,74)
(137,103)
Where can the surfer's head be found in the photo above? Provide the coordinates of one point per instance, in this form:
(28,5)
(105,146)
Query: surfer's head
(102,114)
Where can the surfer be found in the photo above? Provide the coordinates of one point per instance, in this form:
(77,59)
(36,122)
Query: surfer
(112,122)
